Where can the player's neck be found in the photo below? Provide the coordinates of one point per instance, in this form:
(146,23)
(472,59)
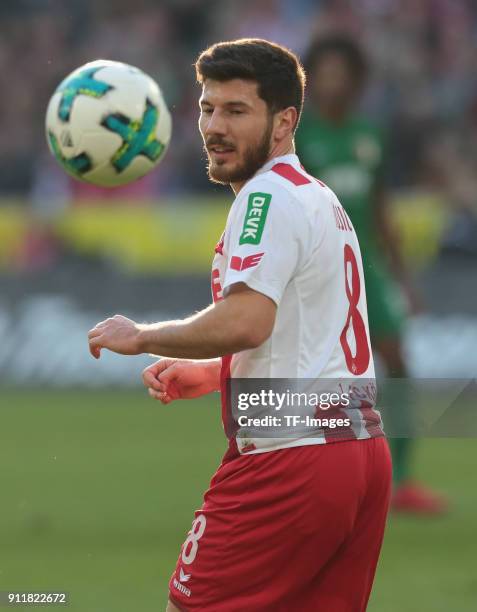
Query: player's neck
(283,148)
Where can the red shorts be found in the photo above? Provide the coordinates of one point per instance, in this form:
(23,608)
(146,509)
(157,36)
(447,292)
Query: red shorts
(292,529)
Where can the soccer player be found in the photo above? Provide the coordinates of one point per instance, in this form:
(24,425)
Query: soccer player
(288,523)
(347,151)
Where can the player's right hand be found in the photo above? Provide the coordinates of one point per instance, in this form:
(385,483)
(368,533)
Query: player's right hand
(173,379)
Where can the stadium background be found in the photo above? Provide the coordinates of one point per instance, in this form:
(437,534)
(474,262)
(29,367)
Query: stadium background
(99,483)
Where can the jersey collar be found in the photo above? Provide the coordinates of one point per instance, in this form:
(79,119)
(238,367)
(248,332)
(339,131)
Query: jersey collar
(291,159)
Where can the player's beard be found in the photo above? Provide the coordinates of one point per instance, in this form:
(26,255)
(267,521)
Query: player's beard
(255,157)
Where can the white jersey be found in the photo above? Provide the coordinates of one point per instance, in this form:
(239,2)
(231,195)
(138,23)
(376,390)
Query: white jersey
(288,237)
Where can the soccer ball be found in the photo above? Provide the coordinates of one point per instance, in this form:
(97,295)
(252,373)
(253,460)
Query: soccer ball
(107,123)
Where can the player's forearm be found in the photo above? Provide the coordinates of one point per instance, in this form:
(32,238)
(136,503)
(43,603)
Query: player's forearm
(214,332)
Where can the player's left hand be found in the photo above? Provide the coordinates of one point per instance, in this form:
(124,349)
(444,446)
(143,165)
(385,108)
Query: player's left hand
(118,334)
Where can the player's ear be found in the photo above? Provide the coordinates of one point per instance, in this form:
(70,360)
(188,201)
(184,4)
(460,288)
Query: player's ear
(285,122)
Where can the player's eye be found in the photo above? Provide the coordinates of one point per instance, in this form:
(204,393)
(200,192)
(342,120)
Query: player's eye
(206,111)
(236,112)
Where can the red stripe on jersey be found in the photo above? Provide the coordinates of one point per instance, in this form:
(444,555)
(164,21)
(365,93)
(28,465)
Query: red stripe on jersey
(313,177)
(224,376)
(372,420)
(230,428)
(288,172)
(216,286)
(343,432)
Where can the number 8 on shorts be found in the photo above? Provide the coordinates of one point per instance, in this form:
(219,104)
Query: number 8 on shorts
(191,545)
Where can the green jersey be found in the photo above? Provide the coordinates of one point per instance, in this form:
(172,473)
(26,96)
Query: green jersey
(349,159)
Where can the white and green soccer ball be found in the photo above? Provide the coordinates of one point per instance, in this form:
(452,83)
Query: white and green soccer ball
(107,123)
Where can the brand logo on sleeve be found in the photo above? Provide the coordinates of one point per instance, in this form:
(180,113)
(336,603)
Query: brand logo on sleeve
(255,218)
(239,264)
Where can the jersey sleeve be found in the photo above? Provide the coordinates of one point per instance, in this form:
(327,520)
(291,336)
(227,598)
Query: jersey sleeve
(264,240)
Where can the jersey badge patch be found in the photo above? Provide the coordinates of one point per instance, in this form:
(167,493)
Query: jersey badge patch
(255,218)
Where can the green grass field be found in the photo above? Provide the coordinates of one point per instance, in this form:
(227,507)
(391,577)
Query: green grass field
(98,491)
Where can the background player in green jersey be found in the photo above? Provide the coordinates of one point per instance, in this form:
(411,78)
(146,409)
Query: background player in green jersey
(347,152)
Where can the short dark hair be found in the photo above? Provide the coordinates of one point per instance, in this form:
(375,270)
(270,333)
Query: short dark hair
(344,46)
(277,70)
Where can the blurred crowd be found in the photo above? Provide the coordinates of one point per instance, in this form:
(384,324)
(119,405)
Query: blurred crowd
(423,85)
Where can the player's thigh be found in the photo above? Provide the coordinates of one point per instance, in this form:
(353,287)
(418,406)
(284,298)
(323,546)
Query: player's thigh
(171,607)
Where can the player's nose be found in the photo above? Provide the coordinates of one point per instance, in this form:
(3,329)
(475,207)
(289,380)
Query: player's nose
(215,124)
